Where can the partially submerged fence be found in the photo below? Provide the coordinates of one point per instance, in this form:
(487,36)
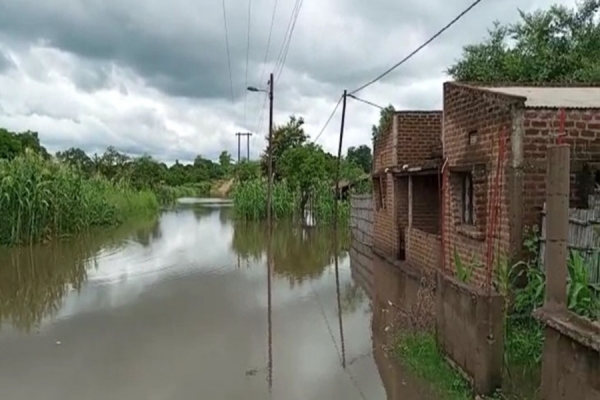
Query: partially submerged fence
(361,256)
(584,237)
(361,218)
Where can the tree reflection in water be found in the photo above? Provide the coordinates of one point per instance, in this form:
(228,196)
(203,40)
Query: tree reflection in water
(298,253)
(34,279)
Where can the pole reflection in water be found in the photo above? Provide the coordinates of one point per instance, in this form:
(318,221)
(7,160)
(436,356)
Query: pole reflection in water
(269,321)
(339,303)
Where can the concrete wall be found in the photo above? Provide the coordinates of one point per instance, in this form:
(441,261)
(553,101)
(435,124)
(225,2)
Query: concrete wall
(423,249)
(571,357)
(469,331)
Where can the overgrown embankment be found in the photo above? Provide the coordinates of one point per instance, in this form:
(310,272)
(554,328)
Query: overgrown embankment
(44,198)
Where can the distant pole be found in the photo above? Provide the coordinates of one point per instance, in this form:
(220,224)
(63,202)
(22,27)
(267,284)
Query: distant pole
(239,143)
(339,158)
(248,147)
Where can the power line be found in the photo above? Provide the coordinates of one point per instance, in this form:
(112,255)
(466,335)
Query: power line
(227,46)
(328,119)
(247,58)
(431,39)
(262,74)
(366,101)
(287,37)
(287,48)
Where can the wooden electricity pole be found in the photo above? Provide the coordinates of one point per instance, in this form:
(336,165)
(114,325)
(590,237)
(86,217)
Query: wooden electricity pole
(239,136)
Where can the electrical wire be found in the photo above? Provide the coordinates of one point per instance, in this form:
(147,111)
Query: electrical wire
(285,44)
(365,101)
(328,120)
(287,47)
(227,47)
(247,58)
(262,74)
(418,49)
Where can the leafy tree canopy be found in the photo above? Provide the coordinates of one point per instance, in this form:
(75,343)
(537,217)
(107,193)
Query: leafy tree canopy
(361,156)
(558,45)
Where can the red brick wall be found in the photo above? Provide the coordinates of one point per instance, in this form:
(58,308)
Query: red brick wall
(385,231)
(467,110)
(426,205)
(383,151)
(419,136)
(423,250)
(582,129)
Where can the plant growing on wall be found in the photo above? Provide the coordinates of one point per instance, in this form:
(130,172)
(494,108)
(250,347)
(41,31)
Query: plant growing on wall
(464,271)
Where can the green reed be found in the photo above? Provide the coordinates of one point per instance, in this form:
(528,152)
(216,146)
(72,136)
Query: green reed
(250,200)
(40,199)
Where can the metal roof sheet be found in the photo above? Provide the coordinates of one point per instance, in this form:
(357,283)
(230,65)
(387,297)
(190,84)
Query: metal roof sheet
(554,97)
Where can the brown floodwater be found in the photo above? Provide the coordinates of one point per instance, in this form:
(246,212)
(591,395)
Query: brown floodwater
(185,307)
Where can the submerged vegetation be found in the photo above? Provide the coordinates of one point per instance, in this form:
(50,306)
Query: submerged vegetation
(304,178)
(44,196)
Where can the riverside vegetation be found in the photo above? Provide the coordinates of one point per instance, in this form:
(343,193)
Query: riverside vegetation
(44,196)
(304,178)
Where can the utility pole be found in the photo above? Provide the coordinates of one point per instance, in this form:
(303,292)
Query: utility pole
(239,136)
(270,168)
(339,158)
(335,224)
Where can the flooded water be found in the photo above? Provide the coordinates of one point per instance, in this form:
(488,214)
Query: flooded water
(185,307)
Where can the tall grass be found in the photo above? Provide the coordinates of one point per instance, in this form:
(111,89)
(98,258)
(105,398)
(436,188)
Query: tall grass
(250,202)
(40,199)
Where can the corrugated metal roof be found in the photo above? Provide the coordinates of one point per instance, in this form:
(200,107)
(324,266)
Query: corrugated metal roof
(555,97)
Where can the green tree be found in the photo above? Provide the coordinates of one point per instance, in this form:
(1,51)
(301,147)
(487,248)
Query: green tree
(247,170)
(10,145)
(31,140)
(385,122)
(76,158)
(145,173)
(285,137)
(558,45)
(225,162)
(304,167)
(361,156)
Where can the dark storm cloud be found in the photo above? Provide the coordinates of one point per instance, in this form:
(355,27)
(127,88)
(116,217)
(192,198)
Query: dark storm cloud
(173,62)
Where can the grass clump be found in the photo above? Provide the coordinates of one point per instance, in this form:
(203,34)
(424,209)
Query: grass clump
(42,198)
(250,202)
(419,353)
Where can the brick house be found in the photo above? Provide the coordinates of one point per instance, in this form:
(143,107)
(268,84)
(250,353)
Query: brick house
(406,187)
(474,119)
(410,221)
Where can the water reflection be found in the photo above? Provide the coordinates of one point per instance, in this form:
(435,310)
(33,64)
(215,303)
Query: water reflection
(162,310)
(34,279)
(299,253)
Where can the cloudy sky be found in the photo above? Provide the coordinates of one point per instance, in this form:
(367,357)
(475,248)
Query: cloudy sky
(152,76)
